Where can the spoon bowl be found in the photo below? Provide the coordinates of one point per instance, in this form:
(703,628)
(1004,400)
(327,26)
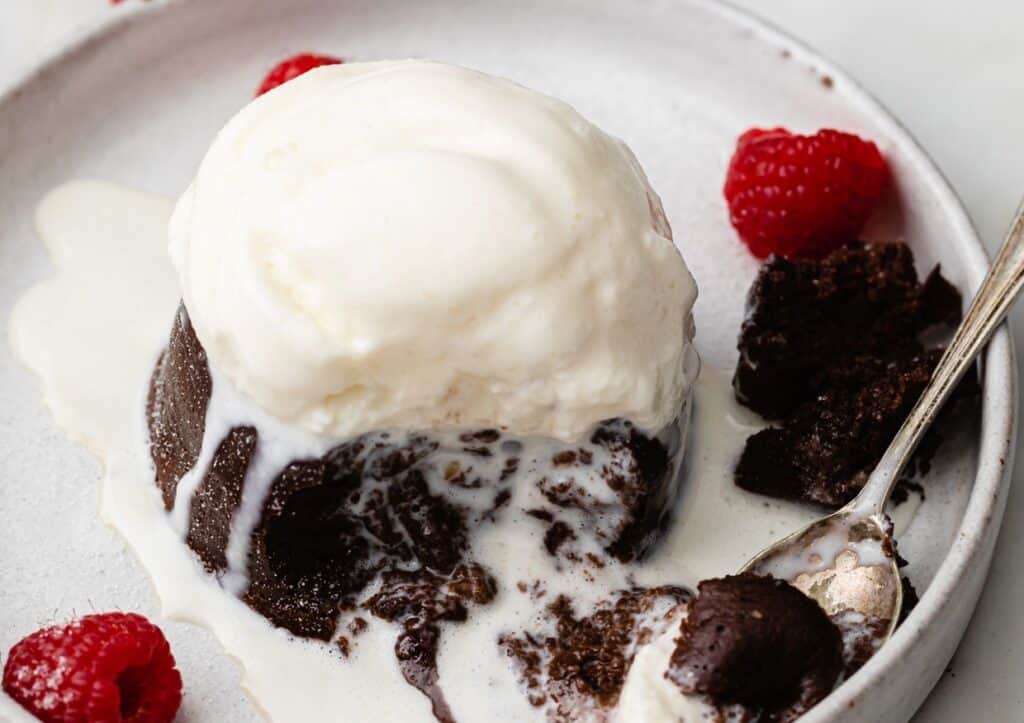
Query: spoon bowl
(845,562)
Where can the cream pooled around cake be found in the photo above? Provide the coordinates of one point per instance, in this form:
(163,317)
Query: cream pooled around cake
(417,245)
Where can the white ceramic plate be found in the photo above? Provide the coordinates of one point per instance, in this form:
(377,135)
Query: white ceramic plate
(138,102)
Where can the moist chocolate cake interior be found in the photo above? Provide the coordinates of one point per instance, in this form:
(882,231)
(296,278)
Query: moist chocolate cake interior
(386,508)
(834,351)
(573,663)
(758,643)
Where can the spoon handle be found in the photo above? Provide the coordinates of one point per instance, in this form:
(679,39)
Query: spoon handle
(990,306)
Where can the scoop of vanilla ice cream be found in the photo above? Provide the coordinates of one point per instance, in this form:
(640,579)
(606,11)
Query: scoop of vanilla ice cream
(417,245)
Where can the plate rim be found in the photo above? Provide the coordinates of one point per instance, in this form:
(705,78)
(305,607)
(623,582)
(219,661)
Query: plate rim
(979,527)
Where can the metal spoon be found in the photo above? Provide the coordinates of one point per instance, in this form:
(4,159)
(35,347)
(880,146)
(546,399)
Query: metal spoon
(845,561)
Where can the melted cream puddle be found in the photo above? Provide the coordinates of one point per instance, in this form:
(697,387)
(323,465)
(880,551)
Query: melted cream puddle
(92,334)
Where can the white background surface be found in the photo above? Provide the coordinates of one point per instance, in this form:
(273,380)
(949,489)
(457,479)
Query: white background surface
(953,73)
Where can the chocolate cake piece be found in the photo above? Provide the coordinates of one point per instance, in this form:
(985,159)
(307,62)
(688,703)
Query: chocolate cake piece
(806,316)
(179,392)
(217,497)
(642,476)
(578,665)
(757,642)
(830,445)
(308,558)
(394,513)
(833,350)
(330,526)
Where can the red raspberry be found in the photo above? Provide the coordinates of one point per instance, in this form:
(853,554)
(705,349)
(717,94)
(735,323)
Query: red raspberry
(802,196)
(110,668)
(293,67)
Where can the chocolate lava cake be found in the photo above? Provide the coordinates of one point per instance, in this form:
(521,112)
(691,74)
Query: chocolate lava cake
(381,525)
(834,352)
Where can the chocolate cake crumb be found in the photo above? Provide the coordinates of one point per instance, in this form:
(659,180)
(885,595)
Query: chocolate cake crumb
(758,642)
(904,488)
(563,458)
(358,626)
(487,436)
(572,456)
(419,601)
(500,500)
(511,467)
(557,534)
(861,638)
(910,599)
(580,663)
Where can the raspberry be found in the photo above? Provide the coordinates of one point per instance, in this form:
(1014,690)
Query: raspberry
(293,67)
(110,668)
(802,196)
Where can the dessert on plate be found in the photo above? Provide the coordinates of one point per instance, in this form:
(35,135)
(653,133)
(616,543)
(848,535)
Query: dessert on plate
(429,317)
(415,441)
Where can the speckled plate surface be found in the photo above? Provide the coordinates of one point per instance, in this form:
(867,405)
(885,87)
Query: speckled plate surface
(138,101)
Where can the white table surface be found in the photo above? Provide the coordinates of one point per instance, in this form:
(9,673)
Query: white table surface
(953,73)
